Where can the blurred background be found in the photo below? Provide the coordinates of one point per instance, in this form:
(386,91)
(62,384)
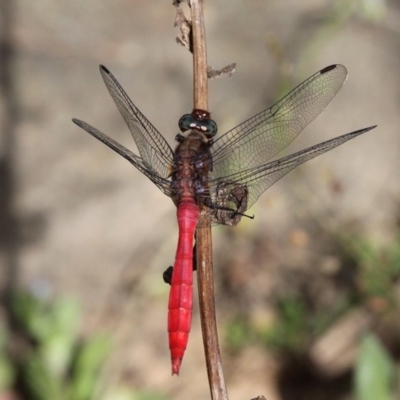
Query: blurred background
(307,293)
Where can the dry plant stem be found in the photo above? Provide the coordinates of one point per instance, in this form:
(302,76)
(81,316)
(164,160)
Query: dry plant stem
(200,80)
(205,281)
(205,277)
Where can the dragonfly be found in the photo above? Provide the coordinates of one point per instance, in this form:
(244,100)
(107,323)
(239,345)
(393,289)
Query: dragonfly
(216,180)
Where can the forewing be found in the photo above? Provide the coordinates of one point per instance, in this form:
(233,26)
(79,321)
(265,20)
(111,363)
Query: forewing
(261,137)
(258,179)
(137,161)
(154,150)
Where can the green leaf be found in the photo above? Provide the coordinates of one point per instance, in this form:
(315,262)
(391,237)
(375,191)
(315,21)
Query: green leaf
(30,313)
(59,344)
(65,316)
(42,319)
(7,369)
(57,352)
(120,393)
(7,374)
(85,374)
(40,382)
(374,375)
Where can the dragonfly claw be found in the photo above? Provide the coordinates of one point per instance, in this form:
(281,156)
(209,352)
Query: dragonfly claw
(167,275)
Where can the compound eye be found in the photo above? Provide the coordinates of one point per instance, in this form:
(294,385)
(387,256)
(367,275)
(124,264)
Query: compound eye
(187,122)
(211,127)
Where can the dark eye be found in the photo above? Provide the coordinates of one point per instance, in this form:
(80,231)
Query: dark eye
(211,127)
(187,122)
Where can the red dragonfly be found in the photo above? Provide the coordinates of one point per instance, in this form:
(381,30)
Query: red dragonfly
(223,176)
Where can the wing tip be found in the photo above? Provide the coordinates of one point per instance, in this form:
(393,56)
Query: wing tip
(104,69)
(368,128)
(328,68)
(332,67)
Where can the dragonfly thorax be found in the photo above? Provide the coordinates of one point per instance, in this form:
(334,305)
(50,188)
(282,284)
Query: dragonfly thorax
(192,165)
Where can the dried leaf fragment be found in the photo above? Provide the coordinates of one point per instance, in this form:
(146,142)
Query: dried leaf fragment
(218,73)
(185,27)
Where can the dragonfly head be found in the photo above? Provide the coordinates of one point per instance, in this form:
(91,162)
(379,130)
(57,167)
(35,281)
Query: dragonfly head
(200,121)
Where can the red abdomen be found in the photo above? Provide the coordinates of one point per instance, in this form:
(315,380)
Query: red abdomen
(181,294)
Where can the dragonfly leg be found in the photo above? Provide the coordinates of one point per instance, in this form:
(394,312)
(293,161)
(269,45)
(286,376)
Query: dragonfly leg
(234,212)
(180,138)
(194,258)
(167,274)
(229,203)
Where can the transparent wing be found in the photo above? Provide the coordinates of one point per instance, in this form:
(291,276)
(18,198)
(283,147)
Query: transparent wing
(155,153)
(240,190)
(162,183)
(261,137)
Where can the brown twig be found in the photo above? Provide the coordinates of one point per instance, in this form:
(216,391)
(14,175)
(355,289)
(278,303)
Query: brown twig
(200,80)
(205,277)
